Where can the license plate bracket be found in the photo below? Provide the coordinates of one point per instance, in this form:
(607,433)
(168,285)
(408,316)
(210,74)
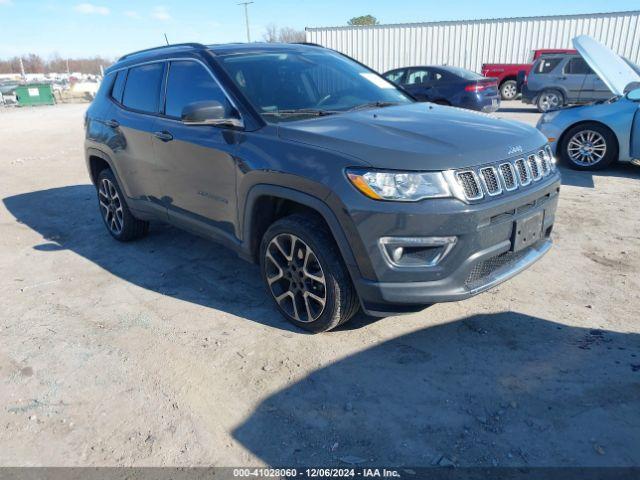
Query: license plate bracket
(527,231)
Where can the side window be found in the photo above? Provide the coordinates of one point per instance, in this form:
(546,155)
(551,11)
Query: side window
(142,88)
(118,86)
(546,65)
(395,76)
(190,82)
(418,77)
(577,66)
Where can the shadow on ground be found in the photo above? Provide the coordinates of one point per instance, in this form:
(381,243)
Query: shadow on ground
(168,261)
(504,389)
(577,178)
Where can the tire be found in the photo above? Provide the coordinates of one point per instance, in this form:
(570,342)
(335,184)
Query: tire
(115,213)
(588,146)
(509,90)
(549,100)
(300,263)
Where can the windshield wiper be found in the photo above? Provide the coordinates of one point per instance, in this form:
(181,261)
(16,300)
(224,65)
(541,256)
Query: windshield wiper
(316,112)
(377,104)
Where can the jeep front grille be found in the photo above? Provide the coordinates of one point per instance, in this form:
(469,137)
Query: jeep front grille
(493,180)
(534,166)
(508,174)
(468,180)
(524,175)
(490,180)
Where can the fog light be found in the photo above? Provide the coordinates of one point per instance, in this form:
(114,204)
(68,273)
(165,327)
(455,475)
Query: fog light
(397,254)
(416,251)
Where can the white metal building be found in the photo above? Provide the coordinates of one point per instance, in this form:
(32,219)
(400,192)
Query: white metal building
(471,43)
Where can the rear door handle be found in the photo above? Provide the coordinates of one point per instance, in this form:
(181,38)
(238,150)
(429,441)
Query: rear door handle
(164,136)
(112,123)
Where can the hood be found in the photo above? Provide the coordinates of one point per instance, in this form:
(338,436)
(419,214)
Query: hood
(614,71)
(418,136)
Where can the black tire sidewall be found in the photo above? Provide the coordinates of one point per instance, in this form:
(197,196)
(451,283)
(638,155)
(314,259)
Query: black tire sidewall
(313,235)
(610,156)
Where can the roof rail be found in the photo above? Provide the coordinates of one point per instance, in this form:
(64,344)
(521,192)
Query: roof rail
(190,44)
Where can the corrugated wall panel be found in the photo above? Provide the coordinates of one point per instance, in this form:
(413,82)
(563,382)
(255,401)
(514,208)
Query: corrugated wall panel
(469,44)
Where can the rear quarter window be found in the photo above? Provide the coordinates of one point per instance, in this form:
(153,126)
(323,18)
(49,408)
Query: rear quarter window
(142,88)
(118,86)
(546,65)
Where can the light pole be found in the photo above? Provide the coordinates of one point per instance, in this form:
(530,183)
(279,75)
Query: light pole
(246,18)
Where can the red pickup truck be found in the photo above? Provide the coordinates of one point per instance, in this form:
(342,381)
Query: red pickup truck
(507,73)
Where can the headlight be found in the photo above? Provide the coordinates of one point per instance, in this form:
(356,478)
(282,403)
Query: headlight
(399,186)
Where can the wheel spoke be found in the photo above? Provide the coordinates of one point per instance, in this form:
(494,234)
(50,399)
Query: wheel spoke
(305,268)
(279,274)
(295,278)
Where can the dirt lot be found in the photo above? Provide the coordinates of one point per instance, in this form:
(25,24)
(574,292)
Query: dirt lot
(168,352)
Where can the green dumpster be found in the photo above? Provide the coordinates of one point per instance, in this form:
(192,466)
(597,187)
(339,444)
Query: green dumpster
(35,94)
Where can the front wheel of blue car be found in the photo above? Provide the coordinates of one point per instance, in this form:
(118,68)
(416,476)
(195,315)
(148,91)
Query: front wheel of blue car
(589,146)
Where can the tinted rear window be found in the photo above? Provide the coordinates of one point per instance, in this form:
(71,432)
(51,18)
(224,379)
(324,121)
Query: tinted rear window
(142,88)
(577,66)
(463,73)
(118,86)
(546,65)
(190,82)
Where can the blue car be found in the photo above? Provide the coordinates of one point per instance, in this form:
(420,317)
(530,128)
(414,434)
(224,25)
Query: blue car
(591,137)
(452,86)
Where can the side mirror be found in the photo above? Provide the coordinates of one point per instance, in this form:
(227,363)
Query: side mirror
(634,95)
(210,112)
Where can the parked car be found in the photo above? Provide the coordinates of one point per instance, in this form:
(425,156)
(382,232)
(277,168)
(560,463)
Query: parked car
(448,86)
(346,191)
(8,87)
(506,74)
(593,136)
(560,80)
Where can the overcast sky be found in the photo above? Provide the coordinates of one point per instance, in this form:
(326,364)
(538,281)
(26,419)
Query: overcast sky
(114,27)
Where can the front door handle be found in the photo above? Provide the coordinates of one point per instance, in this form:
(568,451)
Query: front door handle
(112,123)
(164,136)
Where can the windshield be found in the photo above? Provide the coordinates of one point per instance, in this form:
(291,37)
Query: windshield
(292,85)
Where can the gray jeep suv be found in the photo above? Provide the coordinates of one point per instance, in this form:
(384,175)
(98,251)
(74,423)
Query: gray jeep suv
(346,191)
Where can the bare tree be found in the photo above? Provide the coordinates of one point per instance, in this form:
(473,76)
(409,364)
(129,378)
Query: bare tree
(291,35)
(55,64)
(271,35)
(284,34)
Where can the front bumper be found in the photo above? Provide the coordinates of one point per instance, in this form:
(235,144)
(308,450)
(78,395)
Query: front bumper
(480,259)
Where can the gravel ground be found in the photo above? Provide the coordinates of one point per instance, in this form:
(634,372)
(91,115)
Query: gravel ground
(168,352)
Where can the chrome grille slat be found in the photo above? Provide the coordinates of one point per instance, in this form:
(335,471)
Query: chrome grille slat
(489,177)
(468,180)
(546,168)
(534,166)
(508,175)
(524,174)
(492,180)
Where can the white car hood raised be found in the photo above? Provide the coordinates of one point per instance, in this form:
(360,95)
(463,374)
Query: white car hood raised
(609,66)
